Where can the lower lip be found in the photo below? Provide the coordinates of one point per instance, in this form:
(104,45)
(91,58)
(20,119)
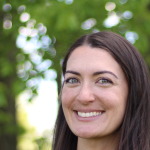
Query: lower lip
(87,118)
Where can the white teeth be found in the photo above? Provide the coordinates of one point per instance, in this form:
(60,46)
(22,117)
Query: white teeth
(83,114)
(89,114)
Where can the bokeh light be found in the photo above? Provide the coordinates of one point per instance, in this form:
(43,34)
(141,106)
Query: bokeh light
(28,65)
(52,51)
(39,45)
(50,74)
(68,2)
(110,6)
(31,23)
(24,17)
(123,1)
(95,30)
(34,32)
(127,14)
(7,7)
(35,58)
(131,36)
(7,24)
(88,24)
(46,40)
(21,9)
(29,47)
(112,20)
(23,31)
(44,65)
(20,70)
(42,29)
(44,106)
(21,41)
(33,82)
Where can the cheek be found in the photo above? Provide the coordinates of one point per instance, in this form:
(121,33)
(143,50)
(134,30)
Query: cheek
(66,97)
(65,103)
(113,98)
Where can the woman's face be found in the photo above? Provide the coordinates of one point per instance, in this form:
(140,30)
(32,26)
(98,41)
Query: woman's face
(94,94)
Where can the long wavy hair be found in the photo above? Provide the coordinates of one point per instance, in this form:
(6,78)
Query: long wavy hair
(135,128)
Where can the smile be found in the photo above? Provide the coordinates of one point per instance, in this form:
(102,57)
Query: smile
(89,114)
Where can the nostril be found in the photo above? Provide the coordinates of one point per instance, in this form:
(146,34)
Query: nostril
(86,99)
(85,94)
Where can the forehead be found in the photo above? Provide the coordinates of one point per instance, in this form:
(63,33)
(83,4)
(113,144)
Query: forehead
(87,58)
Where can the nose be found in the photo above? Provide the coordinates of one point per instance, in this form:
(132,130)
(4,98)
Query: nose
(86,95)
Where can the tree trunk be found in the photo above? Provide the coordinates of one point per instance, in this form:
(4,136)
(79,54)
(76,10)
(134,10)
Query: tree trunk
(8,126)
(8,136)
(59,85)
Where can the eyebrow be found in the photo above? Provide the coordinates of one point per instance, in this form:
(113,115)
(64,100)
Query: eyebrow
(73,72)
(102,72)
(94,74)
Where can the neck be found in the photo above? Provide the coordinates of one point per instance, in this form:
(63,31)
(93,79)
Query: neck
(105,143)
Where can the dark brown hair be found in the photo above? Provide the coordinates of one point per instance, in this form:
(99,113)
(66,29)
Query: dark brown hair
(135,129)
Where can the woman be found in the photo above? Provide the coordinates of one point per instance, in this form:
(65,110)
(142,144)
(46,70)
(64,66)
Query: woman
(105,98)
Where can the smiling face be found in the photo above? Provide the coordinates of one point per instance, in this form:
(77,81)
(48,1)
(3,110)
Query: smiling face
(94,94)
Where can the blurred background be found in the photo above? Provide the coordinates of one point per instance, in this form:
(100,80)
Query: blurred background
(34,37)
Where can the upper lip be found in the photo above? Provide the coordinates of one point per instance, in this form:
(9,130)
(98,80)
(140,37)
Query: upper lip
(88,110)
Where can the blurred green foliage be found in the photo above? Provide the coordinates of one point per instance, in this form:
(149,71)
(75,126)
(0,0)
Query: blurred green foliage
(63,20)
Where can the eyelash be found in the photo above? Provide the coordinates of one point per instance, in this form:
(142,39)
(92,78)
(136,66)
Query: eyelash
(106,81)
(67,80)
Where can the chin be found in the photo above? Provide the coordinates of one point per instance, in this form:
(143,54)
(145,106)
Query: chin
(85,134)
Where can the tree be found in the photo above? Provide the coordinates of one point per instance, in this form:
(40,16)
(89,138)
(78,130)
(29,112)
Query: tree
(64,21)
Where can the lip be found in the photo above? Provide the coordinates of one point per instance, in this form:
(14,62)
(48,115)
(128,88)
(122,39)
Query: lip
(87,119)
(88,110)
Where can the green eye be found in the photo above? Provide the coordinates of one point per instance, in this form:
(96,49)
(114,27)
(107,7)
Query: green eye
(72,80)
(104,81)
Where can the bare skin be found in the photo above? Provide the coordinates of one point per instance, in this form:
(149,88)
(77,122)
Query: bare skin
(97,144)
(94,98)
